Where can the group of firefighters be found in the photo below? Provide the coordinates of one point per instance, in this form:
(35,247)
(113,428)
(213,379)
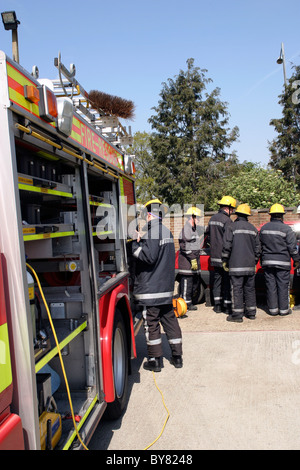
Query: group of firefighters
(235,248)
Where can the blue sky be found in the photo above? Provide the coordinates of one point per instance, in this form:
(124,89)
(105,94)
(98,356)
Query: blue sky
(129,48)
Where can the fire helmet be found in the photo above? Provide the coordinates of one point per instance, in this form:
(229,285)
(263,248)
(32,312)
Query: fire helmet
(227,201)
(243,209)
(277,209)
(194,211)
(156,207)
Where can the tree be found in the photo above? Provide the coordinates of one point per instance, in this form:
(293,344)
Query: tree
(285,148)
(260,187)
(191,139)
(145,175)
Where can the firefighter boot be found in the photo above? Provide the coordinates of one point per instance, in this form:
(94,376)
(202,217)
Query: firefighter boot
(153,364)
(176,361)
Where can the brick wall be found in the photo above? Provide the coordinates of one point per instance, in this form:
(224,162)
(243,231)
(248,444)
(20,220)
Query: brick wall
(259,216)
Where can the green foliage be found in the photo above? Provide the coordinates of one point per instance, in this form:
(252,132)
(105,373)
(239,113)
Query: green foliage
(190,138)
(145,176)
(285,148)
(186,158)
(260,187)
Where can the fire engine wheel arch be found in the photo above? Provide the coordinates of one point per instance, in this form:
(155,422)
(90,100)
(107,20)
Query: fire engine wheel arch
(120,368)
(115,308)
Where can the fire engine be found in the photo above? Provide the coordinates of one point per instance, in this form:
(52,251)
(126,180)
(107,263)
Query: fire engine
(67,329)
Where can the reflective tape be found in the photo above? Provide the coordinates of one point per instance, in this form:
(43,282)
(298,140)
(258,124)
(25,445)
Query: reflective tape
(36,189)
(5,363)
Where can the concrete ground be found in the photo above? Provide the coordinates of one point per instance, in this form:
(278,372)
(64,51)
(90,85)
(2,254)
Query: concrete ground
(239,388)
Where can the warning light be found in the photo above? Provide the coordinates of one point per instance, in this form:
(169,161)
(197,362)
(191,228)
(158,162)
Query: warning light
(31,94)
(65,115)
(47,104)
(129,165)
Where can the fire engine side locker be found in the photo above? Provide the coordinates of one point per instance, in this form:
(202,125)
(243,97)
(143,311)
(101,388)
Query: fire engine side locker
(90,344)
(72,307)
(12,238)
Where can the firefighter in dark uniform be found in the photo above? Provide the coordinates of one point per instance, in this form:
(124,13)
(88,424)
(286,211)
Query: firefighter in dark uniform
(279,245)
(240,255)
(153,288)
(189,256)
(220,278)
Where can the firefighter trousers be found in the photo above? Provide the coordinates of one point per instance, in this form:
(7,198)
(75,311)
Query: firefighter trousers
(243,295)
(221,287)
(186,288)
(154,316)
(278,290)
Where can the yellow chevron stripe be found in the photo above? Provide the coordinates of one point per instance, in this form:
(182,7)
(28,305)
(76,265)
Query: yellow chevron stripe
(5,364)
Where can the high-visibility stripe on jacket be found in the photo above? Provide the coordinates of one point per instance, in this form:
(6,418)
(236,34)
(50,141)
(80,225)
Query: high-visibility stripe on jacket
(279,245)
(189,243)
(155,265)
(216,228)
(241,247)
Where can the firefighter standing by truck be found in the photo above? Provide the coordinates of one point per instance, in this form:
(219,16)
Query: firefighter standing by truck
(215,230)
(154,254)
(279,245)
(240,254)
(189,256)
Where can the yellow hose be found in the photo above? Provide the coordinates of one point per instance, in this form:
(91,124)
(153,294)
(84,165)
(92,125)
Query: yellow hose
(168,415)
(59,354)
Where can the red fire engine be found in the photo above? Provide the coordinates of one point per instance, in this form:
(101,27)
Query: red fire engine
(67,330)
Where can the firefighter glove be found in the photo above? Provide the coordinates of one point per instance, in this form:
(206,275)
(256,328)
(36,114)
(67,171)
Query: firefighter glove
(296,264)
(225,266)
(194,265)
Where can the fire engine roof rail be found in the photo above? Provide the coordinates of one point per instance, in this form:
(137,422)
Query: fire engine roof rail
(109,126)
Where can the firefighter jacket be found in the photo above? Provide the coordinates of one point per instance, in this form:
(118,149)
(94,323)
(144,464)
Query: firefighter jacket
(279,245)
(241,247)
(215,230)
(155,266)
(189,243)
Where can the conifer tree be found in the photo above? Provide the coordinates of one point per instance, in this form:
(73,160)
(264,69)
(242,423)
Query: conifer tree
(191,139)
(285,148)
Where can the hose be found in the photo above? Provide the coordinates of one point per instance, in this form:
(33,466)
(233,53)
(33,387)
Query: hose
(168,415)
(59,354)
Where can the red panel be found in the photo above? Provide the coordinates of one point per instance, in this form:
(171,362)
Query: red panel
(107,305)
(11,433)
(129,191)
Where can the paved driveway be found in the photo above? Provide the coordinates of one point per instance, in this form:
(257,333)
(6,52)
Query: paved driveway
(239,389)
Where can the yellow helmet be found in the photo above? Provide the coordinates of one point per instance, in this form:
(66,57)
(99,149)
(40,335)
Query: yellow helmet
(243,209)
(277,209)
(194,211)
(158,207)
(227,201)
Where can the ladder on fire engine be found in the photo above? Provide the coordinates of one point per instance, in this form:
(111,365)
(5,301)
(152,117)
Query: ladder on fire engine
(108,125)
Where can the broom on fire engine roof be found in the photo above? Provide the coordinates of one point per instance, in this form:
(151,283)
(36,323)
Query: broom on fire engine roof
(111,104)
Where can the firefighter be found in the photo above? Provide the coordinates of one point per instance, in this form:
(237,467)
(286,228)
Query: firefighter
(241,251)
(154,286)
(279,245)
(189,256)
(220,278)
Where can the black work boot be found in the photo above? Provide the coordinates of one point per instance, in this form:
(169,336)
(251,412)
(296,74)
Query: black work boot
(192,307)
(234,319)
(176,361)
(153,364)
